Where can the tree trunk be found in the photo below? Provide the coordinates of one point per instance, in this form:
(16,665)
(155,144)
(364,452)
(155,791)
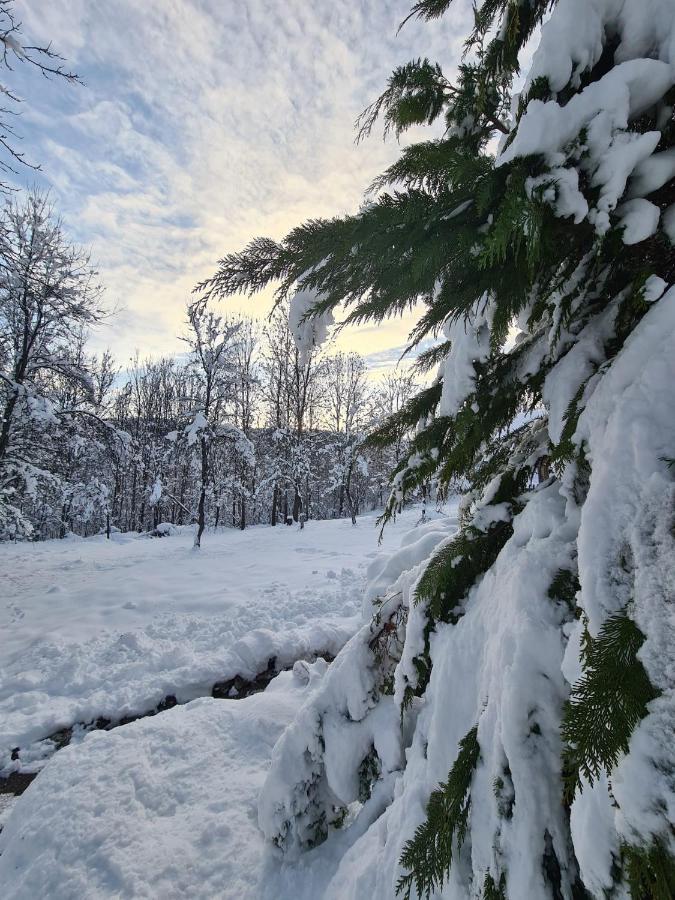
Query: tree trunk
(297,504)
(275,501)
(6,424)
(242,519)
(348,494)
(201,509)
(131,524)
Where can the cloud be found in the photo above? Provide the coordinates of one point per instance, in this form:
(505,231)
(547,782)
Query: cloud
(204,124)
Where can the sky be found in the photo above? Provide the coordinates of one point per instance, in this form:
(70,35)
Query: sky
(202,124)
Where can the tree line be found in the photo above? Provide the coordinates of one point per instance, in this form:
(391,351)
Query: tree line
(241,428)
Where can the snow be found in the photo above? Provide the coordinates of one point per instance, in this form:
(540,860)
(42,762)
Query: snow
(627,558)
(572,41)
(610,154)
(13,44)
(159,808)
(416,546)
(167,806)
(309,330)
(603,109)
(639,218)
(654,288)
(668,220)
(156,493)
(653,173)
(102,627)
(578,364)
(470,343)
(196,429)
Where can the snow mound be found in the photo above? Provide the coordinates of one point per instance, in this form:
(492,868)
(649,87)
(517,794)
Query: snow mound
(347,736)
(416,546)
(131,673)
(163,807)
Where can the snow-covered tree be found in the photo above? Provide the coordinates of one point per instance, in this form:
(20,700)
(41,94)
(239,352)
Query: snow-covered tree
(347,412)
(292,382)
(211,341)
(48,295)
(527,668)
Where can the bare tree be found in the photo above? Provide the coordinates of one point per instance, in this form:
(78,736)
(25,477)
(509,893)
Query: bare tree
(14,51)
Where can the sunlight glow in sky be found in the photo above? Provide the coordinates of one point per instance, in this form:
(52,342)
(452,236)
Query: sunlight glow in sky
(204,123)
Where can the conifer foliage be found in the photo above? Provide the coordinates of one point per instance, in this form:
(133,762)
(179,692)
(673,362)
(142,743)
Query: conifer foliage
(537,662)
(428,855)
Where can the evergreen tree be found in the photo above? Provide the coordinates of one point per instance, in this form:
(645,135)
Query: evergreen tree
(536,668)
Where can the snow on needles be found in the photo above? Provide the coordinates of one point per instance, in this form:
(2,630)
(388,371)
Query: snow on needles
(309,329)
(627,556)
(470,343)
(572,42)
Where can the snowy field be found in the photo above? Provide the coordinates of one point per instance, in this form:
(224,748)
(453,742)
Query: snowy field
(167,806)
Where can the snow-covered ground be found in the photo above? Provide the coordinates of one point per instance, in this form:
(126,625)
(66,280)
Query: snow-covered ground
(164,807)
(167,806)
(109,628)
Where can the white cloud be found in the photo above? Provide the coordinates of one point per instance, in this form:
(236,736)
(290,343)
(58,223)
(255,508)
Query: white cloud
(204,123)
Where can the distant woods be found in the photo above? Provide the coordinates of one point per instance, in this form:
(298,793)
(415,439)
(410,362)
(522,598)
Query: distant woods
(239,429)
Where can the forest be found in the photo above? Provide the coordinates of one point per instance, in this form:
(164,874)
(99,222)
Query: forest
(441,664)
(241,428)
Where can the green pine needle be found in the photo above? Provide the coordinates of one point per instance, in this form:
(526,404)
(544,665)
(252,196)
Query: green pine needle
(649,871)
(428,856)
(606,704)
